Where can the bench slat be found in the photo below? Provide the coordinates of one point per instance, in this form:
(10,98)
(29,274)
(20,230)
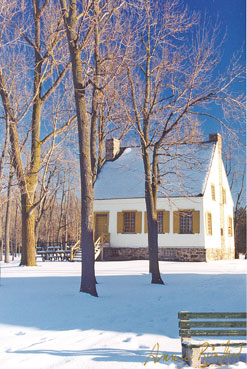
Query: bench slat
(215,344)
(188,315)
(212,333)
(209,324)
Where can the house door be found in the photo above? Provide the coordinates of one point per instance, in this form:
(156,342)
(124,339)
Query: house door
(101,224)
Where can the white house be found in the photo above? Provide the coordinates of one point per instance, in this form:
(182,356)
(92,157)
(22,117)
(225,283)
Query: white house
(195,206)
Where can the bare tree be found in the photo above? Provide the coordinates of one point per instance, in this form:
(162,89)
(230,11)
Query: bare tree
(96,57)
(42,51)
(173,83)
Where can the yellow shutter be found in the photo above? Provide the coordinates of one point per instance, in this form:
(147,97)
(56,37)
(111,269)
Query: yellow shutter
(166,221)
(230,226)
(206,222)
(176,222)
(119,222)
(138,222)
(145,222)
(213,192)
(209,225)
(196,221)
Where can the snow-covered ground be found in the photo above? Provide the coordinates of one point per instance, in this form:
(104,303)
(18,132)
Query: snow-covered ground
(46,323)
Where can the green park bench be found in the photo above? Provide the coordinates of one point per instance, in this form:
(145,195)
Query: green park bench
(209,325)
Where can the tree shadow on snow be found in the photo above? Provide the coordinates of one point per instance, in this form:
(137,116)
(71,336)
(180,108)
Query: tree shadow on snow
(133,356)
(126,303)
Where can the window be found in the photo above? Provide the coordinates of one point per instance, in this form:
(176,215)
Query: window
(163,221)
(229,226)
(213,192)
(129,222)
(185,220)
(223,196)
(170,254)
(160,221)
(209,224)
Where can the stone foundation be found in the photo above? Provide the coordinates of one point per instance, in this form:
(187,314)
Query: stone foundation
(220,254)
(125,253)
(168,254)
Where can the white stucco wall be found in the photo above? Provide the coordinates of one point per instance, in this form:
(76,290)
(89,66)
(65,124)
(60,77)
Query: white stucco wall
(141,239)
(209,205)
(212,206)
(228,211)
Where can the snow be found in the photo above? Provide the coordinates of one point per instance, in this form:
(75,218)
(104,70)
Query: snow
(183,171)
(45,322)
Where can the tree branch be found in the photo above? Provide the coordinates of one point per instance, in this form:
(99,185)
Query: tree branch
(56,83)
(59,130)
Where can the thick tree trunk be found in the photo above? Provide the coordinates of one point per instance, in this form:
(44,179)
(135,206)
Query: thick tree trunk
(152,222)
(88,282)
(28,255)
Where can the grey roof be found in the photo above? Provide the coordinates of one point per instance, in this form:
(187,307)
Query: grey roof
(184,171)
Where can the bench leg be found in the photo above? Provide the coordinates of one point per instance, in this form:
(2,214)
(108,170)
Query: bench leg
(192,355)
(195,360)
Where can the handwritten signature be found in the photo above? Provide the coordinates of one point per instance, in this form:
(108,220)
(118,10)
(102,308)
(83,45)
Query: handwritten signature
(155,353)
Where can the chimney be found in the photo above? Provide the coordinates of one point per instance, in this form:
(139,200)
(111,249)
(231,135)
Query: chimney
(112,147)
(216,137)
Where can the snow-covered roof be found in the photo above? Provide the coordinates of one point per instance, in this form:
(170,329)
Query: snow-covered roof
(183,172)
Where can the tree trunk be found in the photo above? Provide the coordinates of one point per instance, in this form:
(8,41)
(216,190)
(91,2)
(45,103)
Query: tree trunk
(1,250)
(37,228)
(152,222)
(150,196)
(28,255)
(88,282)
(93,146)
(8,218)
(66,218)
(5,149)
(100,151)
(15,232)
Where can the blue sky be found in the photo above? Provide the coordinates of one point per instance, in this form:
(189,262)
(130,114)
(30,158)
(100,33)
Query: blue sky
(232,17)
(231,14)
